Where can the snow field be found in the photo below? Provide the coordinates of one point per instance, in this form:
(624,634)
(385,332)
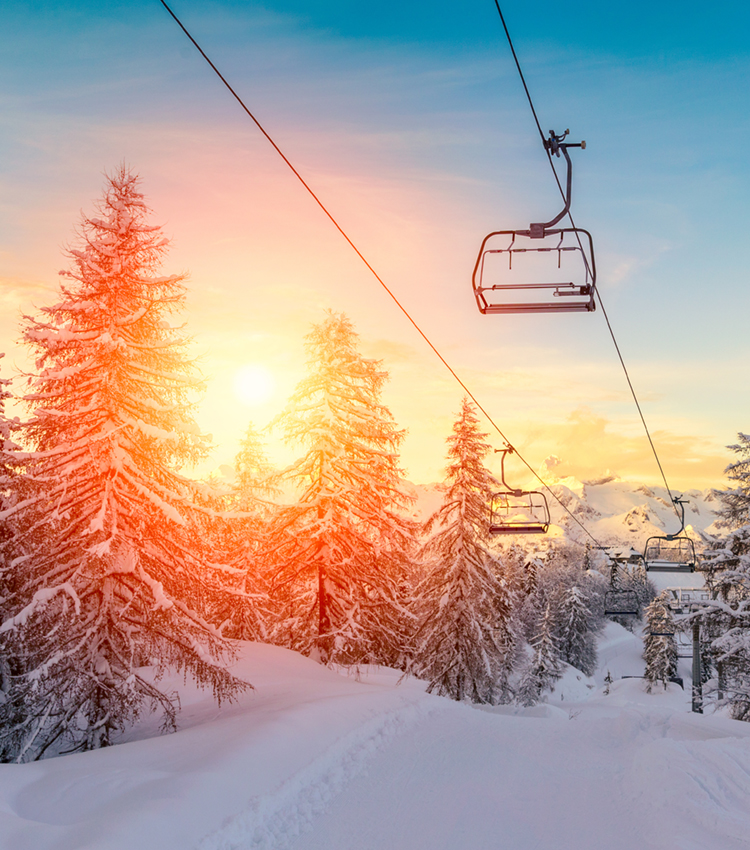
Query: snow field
(315,759)
(273,820)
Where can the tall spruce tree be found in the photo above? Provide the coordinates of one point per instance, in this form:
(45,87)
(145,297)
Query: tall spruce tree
(245,612)
(545,667)
(254,481)
(106,580)
(642,586)
(576,630)
(464,638)
(659,645)
(7,445)
(9,480)
(340,553)
(10,491)
(727,564)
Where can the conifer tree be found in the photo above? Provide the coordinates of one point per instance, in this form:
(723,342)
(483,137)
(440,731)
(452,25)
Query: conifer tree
(10,492)
(246,612)
(577,643)
(545,667)
(659,646)
(735,501)
(107,580)
(254,475)
(9,481)
(727,565)
(7,445)
(340,553)
(464,638)
(642,586)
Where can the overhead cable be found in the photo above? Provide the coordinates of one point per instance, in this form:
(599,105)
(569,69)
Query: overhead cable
(351,244)
(598,293)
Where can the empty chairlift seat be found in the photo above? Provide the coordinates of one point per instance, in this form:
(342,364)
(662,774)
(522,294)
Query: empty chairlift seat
(517,272)
(517,511)
(621,602)
(669,554)
(540,269)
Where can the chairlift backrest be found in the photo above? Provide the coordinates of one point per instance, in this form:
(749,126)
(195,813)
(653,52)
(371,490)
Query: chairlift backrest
(520,512)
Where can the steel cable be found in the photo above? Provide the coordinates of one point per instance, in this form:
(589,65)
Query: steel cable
(597,292)
(351,244)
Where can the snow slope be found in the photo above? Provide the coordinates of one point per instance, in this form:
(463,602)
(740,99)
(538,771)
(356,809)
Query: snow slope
(316,759)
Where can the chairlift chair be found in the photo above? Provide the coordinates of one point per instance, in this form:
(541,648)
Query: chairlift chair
(517,511)
(514,272)
(686,598)
(621,603)
(684,643)
(671,553)
(618,602)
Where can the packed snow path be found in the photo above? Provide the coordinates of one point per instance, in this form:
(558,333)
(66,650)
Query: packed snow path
(316,760)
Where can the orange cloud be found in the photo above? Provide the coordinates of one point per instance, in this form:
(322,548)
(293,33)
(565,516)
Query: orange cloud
(590,446)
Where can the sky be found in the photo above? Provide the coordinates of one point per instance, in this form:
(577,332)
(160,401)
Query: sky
(410,123)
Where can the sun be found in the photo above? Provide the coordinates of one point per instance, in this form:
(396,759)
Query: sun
(253,384)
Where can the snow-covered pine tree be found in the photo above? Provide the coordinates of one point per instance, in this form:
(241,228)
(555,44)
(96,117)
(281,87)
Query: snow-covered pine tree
(577,642)
(254,481)
(339,555)
(464,637)
(10,492)
(735,501)
(9,480)
(727,565)
(530,574)
(106,581)
(544,668)
(727,561)
(7,446)
(245,612)
(659,646)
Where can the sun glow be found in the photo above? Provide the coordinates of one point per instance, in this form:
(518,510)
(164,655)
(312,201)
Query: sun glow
(253,384)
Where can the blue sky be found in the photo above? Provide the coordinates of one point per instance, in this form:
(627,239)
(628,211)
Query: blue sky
(410,121)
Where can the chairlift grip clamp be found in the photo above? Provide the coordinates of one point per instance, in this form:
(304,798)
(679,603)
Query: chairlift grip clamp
(555,144)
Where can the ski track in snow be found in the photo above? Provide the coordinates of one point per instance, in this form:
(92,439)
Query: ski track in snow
(272,822)
(315,760)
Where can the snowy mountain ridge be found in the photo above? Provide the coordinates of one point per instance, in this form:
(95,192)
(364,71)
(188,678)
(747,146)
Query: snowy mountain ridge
(616,512)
